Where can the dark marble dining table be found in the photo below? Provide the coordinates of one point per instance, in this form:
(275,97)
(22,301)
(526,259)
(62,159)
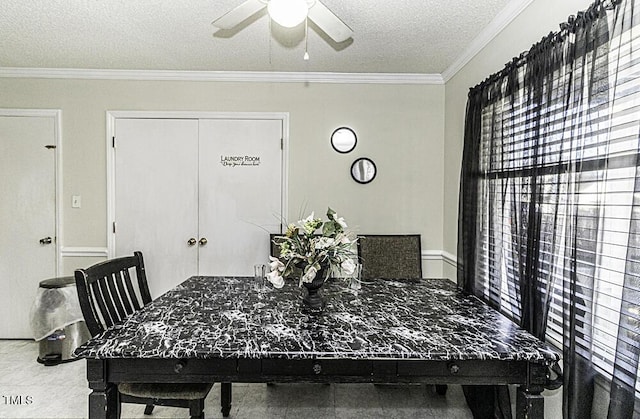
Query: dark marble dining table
(234,329)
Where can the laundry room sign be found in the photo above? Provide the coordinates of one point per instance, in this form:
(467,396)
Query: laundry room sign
(239,161)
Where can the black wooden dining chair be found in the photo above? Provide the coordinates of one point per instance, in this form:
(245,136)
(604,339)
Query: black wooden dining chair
(111,291)
(390,256)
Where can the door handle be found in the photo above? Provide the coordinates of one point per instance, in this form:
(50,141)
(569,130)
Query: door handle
(46,240)
(203,241)
(191,241)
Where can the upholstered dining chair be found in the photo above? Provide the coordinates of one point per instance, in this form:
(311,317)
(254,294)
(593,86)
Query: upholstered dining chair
(390,256)
(108,294)
(274,250)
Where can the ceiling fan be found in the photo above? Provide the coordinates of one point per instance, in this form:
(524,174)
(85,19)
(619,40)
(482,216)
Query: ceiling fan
(289,13)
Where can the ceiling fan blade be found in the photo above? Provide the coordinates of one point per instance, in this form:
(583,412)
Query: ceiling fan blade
(239,14)
(329,22)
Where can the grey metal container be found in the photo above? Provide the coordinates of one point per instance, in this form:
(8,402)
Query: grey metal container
(59,345)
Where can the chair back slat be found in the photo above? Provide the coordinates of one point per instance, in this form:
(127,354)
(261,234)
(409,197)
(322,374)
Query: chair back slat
(390,256)
(87,301)
(106,286)
(125,299)
(118,308)
(98,299)
(107,293)
(141,276)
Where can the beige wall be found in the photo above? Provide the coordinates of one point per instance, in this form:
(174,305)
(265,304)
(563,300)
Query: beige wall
(401,127)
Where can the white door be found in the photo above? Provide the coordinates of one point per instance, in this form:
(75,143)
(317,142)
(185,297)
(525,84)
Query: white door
(240,193)
(188,212)
(156,197)
(27,215)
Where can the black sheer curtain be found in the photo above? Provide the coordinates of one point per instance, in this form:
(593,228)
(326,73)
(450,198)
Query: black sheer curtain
(549,216)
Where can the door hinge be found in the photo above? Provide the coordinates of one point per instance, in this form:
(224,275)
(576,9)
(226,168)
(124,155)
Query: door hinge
(281,143)
(113,142)
(50,146)
(114,227)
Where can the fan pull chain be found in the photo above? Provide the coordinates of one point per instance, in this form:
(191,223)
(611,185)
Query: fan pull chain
(306,39)
(270,36)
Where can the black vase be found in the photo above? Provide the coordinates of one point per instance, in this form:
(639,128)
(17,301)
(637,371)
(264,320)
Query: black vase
(313,299)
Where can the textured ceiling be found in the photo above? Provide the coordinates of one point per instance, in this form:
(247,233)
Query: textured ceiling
(400,36)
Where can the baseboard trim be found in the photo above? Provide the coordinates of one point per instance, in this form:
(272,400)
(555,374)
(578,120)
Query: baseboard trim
(439,256)
(427,255)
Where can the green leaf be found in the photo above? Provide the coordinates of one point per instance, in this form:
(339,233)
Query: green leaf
(328,229)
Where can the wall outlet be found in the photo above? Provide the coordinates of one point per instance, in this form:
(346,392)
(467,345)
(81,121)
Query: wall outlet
(76,201)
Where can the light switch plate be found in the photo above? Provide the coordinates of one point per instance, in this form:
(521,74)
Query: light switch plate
(76,201)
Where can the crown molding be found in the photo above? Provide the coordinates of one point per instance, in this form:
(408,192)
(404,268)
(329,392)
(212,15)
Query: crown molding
(504,18)
(222,76)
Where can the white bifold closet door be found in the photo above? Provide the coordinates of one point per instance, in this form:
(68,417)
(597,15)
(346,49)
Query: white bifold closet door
(196,196)
(240,197)
(156,197)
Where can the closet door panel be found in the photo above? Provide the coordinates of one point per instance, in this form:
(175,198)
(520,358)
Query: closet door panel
(240,193)
(27,216)
(156,197)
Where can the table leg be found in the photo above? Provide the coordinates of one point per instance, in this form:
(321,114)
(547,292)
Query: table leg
(225,398)
(529,403)
(104,403)
(104,400)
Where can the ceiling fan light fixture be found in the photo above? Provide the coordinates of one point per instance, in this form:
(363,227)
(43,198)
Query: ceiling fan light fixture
(288,13)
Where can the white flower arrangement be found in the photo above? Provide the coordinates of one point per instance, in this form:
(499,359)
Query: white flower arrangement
(313,246)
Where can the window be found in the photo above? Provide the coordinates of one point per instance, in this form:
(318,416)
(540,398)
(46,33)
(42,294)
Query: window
(559,161)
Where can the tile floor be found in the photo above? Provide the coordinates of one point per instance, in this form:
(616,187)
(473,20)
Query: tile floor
(31,390)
